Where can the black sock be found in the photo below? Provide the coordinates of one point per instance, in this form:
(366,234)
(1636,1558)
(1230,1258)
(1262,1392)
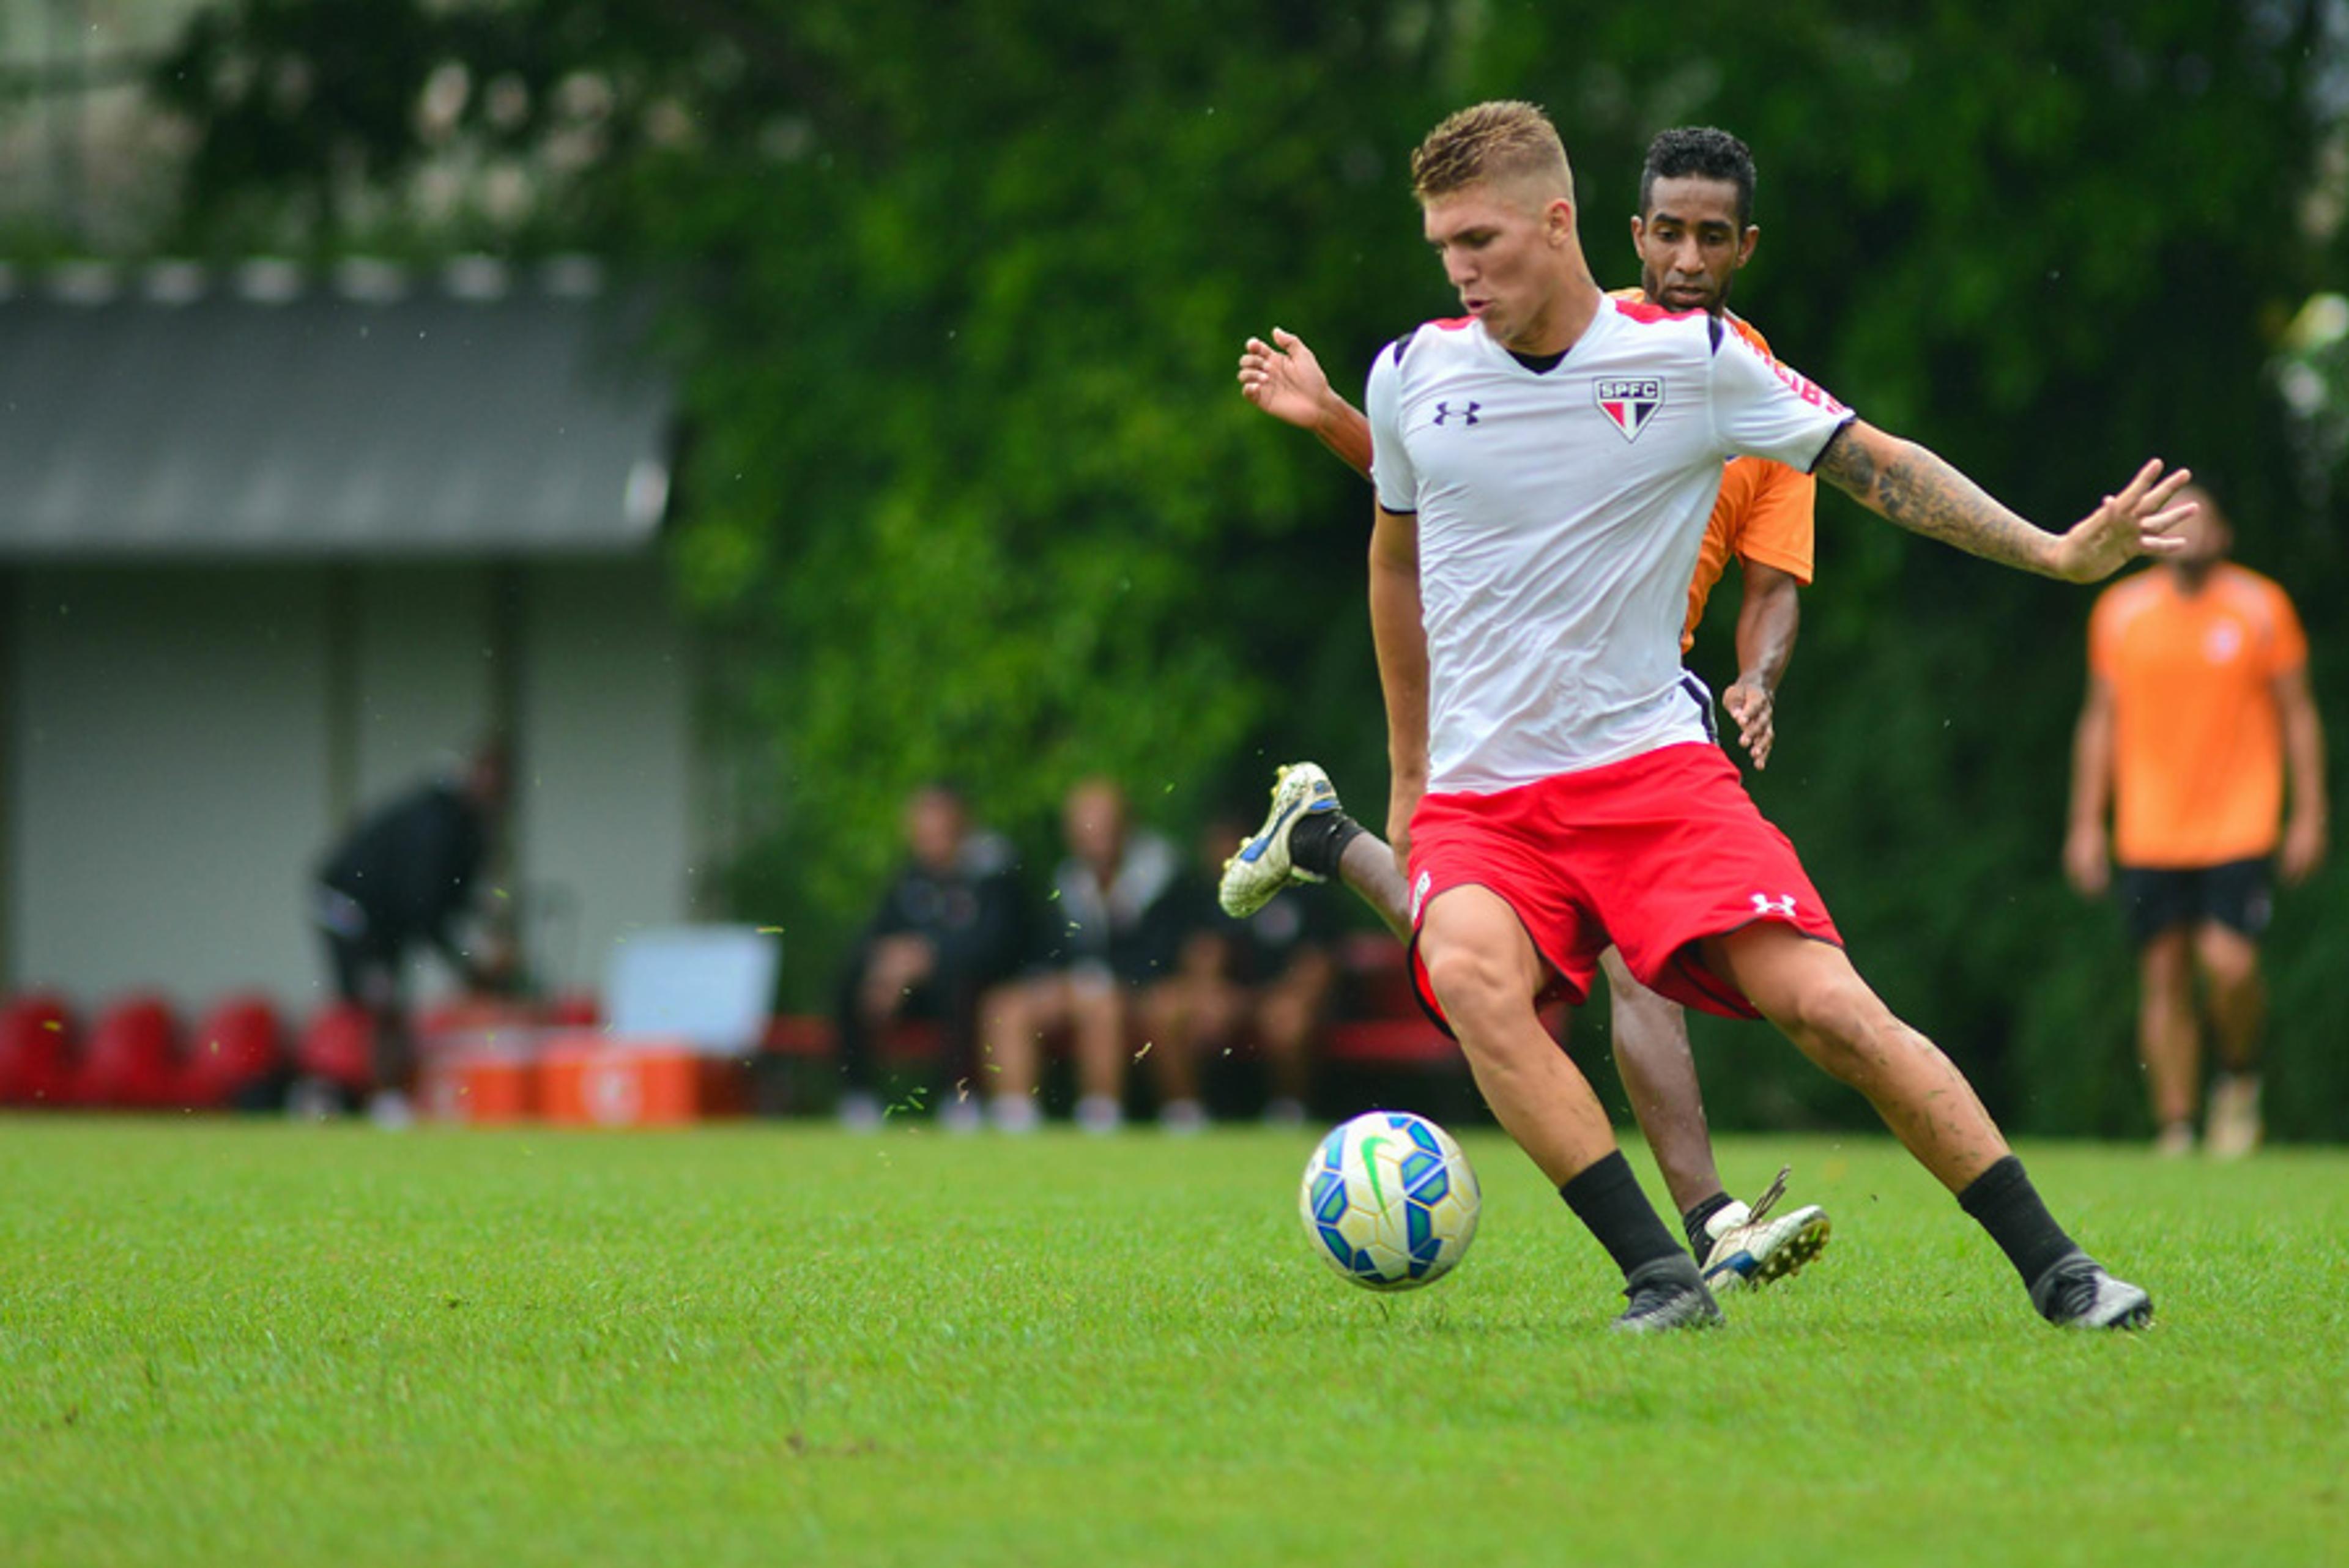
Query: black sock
(2004,1203)
(1695,1218)
(1607,1198)
(1318,841)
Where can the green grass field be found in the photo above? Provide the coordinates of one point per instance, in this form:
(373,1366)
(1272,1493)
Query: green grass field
(255,1344)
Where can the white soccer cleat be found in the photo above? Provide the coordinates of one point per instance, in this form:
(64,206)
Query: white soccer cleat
(1749,1247)
(1263,866)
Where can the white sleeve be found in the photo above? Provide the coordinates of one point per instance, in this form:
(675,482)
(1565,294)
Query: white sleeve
(1761,409)
(1391,470)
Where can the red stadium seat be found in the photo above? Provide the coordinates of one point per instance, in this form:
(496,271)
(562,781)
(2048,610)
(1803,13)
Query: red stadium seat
(338,1045)
(131,1062)
(798,1035)
(36,1050)
(236,1051)
(574,1010)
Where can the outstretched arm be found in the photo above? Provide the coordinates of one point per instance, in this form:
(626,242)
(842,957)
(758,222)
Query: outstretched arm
(1769,610)
(1401,639)
(1902,482)
(1283,378)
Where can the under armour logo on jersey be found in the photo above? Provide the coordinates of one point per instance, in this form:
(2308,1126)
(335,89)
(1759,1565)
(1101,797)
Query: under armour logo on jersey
(1466,416)
(1628,403)
(1784,907)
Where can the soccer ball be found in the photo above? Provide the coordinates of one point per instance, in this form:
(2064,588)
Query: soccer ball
(1389,1201)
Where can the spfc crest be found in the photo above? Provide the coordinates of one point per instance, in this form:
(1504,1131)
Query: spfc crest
(1628,403)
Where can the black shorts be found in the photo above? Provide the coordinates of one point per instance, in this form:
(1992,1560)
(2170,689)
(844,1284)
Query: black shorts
(2239,896)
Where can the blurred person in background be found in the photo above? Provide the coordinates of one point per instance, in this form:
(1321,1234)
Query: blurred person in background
(949,926)
(2198,707)
(1098,941)
(1261,983)
(405,877)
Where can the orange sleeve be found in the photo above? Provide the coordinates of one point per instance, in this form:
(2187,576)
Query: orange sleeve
(1776,530)
(1777,504)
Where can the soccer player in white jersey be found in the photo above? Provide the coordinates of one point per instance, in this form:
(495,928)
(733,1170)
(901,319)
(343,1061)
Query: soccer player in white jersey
(1693,232)
(1544,467)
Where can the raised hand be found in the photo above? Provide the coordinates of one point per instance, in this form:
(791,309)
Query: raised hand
(2139,521)
(1283,378)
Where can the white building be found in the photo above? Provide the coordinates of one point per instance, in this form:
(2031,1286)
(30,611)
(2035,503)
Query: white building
(270,548)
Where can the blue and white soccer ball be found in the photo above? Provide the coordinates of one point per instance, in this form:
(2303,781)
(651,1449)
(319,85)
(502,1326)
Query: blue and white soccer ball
(1390,1201)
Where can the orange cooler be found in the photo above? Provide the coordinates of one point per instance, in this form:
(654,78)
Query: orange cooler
(480,1087)
(613,1081)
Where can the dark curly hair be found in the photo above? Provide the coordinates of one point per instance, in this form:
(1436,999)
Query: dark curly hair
(1701,151)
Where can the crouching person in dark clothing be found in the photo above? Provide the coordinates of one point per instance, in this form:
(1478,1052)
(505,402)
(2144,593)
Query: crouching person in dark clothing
(405,876)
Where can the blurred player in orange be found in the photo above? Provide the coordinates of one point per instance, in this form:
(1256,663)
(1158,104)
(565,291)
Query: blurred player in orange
(1693,233)
(2198,700)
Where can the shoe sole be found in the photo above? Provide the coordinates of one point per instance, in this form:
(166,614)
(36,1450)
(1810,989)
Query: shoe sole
(2139,1313)
(1247,885)
(1793,1255)
(1801,1249)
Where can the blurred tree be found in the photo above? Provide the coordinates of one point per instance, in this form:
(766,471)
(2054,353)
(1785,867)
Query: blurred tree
(967,490)
(956,293)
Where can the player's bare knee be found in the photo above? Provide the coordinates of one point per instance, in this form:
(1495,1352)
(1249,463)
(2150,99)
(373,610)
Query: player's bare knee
(1462,976)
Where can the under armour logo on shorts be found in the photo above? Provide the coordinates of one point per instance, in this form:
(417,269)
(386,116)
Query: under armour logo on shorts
(1419,894)
(1784,907)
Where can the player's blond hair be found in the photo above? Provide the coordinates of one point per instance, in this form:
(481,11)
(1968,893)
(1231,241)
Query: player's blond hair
(1505,141)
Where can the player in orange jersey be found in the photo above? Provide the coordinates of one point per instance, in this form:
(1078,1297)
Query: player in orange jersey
(1693,232)
(2198,700)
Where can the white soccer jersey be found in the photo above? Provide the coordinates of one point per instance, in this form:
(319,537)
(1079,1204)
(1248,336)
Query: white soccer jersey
(1560,515)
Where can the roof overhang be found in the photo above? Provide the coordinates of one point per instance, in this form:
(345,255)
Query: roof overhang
(173,412)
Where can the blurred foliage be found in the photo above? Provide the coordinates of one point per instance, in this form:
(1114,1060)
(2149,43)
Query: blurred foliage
(956,294)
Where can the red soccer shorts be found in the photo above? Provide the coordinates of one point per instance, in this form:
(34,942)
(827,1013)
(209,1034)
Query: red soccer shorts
(1653,853)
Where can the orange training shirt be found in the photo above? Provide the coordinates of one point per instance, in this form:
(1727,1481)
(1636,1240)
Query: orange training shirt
(2197,746)
(1764,513)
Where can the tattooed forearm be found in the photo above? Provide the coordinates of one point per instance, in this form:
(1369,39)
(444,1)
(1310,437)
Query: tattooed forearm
(1903,483)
